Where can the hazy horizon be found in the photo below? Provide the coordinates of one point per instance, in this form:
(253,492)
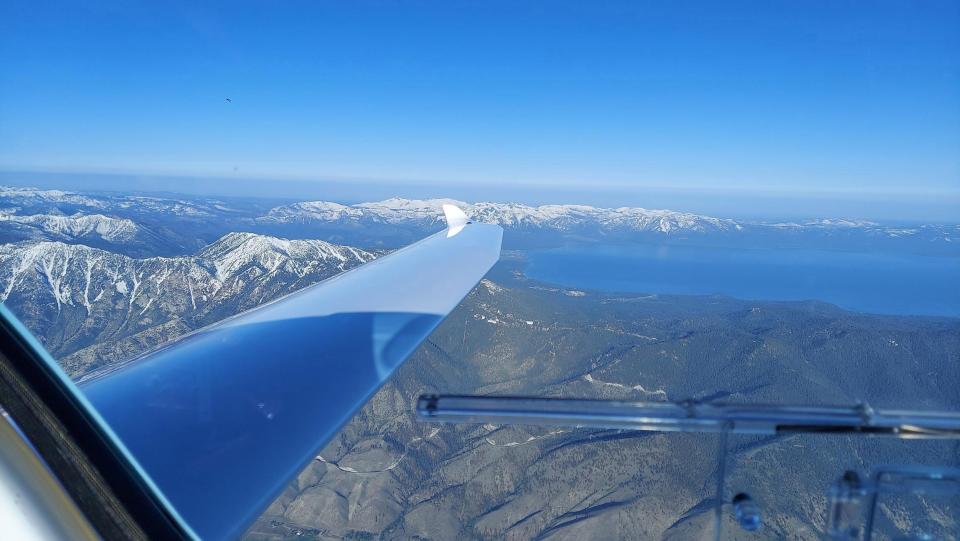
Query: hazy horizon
(764,109)
(890,207)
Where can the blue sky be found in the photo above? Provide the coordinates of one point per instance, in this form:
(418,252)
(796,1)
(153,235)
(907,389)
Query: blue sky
(805,98)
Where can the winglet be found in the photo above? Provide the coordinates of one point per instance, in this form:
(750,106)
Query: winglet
(456,219)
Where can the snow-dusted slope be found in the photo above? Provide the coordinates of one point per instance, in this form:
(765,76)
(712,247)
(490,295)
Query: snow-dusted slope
(75,295)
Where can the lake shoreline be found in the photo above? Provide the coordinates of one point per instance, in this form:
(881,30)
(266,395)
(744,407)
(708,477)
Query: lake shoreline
(870,283)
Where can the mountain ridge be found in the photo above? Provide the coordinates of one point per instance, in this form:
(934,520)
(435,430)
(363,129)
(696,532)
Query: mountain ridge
(78,225)
(429,211)
(569,218)
(179,225)
(75,295)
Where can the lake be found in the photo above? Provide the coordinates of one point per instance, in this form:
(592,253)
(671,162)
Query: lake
(881,283)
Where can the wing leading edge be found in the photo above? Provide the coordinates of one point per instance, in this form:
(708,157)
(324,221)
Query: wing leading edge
(224,418)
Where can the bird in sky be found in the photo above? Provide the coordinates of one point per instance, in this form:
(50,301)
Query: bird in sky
(228,100)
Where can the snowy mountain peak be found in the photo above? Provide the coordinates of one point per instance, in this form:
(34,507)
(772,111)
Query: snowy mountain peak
(235,252)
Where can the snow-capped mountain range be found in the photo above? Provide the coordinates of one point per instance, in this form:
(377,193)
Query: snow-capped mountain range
(135,225)
(536,224)
(75,295)
(179,225)
(510,215)
(28,197)
(77,226)
(559,217)
(17,200)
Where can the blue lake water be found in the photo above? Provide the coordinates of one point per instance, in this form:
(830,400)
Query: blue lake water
(881,283)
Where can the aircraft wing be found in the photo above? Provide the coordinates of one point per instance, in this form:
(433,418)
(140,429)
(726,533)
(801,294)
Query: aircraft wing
(224,418)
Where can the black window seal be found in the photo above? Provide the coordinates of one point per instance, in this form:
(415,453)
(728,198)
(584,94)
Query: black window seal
(106,486)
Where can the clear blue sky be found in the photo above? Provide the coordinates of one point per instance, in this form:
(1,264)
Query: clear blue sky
(773,96)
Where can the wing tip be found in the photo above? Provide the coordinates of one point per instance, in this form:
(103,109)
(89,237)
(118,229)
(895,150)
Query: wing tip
(455,216)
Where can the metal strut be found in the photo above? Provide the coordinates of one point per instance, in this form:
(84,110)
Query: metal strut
(690,416)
